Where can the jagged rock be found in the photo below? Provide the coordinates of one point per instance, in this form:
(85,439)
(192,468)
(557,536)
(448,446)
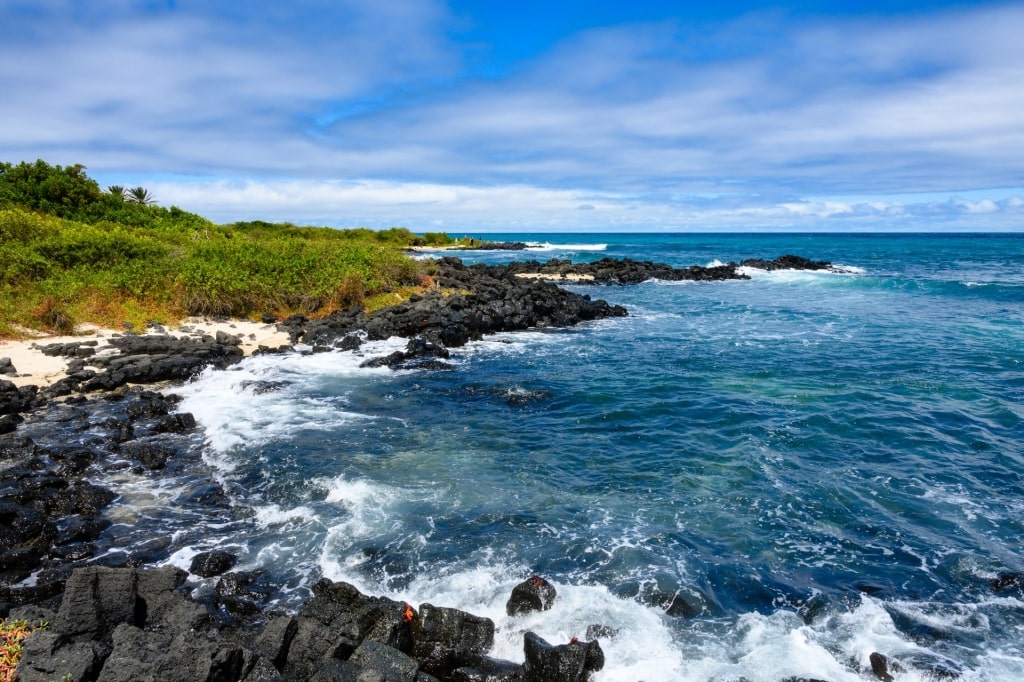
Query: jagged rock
(7,367)
(145,656)
(149,404)
(80,528)
(10,422)
(488,670)
(1006,581)
(263,671)
(338,619)
(48,656)
(81,497)
(14,399)
(152,456)
(96,601)
(276,639)
(226,339)
(495,302)
(261,387)
(450,639)
(573,662)
(384,662)
(880,666)
(209,564)
(181,422)
(15,447)
(787,262)
(533,594)
(624,271)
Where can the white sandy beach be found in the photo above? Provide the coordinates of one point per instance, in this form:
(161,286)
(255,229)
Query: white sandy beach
(41,370)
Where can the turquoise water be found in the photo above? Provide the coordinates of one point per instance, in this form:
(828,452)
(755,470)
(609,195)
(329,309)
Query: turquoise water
(755,479)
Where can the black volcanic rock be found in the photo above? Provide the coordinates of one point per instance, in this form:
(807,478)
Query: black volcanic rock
(624,271)
(450,639)
(14,399)
(533,594)
(573,662)
(495,246)
(787,262)
(209,564)
(489,299)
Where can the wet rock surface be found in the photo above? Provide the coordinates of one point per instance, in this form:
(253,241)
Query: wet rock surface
(51,513)
(111,620)
(486,300)
(628,271)
(115,624)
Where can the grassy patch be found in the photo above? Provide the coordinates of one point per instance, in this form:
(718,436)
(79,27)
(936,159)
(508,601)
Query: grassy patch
(74,253)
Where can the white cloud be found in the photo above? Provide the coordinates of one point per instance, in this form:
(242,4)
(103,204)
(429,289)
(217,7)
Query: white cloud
(465,208)
(366,106)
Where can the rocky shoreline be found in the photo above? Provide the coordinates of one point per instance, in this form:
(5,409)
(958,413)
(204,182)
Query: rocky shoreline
(111,619)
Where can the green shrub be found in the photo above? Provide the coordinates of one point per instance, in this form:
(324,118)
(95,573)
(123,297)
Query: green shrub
(73,252)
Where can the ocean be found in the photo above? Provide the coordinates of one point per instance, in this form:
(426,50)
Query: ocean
(743,480)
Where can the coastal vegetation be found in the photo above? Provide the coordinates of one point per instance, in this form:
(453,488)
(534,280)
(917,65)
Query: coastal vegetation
(75,253)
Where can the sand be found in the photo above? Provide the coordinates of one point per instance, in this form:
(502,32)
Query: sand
(568,277)
(35,368)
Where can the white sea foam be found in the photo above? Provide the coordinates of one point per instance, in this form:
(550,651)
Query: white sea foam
(547,246)
(839,268)
(274,515)
(642,649)
(269,397)
(790,275)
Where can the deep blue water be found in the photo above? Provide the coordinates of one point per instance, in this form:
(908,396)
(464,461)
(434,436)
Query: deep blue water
(754,479)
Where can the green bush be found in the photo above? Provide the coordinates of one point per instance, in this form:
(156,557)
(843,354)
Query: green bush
(73,252)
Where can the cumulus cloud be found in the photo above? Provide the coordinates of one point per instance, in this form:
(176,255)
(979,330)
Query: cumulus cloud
(368,105)
(468,208)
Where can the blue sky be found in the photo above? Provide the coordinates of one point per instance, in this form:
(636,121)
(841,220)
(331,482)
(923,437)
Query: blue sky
(541,116)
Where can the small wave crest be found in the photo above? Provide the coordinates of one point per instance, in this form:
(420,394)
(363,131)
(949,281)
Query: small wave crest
(548,246)
(270,397)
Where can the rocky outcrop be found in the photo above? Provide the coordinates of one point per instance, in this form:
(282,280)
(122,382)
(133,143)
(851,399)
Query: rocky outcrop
(572,662)
(487,300)
(624,271)
(495,246)
(121,624)
(135,359)
(533,594)
(14,399)
(787,262)
(628,271)
(50,514)
(419,354)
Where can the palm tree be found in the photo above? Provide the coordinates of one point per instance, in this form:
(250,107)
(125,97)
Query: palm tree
(141,195)
(116,191)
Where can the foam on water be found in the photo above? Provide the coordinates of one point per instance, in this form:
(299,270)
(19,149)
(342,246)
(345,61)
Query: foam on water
(753,443)
(642,647)
(547,246)
(269,397)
